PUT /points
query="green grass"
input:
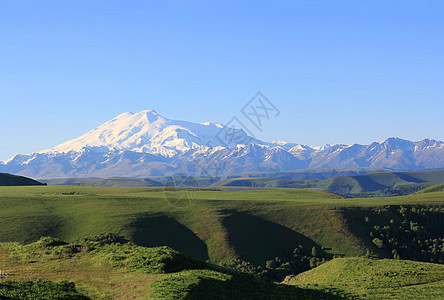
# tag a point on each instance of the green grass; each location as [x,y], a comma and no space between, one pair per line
[39,290]
[377,279]
[432,189]
[166,274]
[211,227]
[206,284]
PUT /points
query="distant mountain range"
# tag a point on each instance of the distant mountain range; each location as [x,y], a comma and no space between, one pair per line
[146,144]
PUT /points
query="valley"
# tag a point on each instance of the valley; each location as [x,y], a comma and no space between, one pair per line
[252,232]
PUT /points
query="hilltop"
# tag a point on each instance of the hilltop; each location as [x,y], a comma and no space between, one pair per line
[377,279]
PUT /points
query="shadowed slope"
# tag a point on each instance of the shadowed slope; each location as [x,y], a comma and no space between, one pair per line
[14,180]
[159,230]
[257,240]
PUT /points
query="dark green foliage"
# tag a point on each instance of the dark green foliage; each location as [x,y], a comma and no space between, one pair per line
[290,263]
[206,284]
[104,239]
[410,232]
[39,290]
[241,266]
[415,233]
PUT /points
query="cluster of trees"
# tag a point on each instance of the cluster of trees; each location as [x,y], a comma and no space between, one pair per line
[411,232]
[299,260]
[401,190]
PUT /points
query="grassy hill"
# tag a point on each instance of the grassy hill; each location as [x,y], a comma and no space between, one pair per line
[310,174]
[214,225]
[105,267]
[14,180]
[432,189]
[377,184]
[377,279]
[271,233]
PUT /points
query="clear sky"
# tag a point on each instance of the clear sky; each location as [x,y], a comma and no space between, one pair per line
[339,71]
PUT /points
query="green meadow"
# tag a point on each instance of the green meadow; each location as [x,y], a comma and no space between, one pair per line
[262,235]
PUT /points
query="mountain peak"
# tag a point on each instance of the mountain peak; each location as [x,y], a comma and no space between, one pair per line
[143,143]
[147,132]
[150,115]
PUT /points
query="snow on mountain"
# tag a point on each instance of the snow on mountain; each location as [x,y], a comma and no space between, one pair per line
[147,132]
[148,144]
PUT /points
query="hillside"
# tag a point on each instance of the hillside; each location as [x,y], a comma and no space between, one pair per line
[14,180]
[207,224]
[268,234]
[377,279]
[432,189]
[310,174]
[127,271]
[104,182]
[376,184]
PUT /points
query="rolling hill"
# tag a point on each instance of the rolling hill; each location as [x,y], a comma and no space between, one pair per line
[268,234]
[213,225]
[369,185]
[14,180]
[128,272]
[377,279]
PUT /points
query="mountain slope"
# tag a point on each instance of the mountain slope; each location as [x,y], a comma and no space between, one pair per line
[148,144]
[147,132]
[13,180]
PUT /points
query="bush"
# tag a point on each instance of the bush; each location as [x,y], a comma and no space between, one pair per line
[39,290]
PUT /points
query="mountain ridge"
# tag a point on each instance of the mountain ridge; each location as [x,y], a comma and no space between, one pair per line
[147,144]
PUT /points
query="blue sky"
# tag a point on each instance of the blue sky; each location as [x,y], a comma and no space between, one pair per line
[339,71]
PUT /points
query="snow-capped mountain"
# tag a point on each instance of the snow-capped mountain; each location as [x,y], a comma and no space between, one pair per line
[148,132]
[147,144]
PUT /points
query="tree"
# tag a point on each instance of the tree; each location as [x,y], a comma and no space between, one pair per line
[314,252]
[378,242]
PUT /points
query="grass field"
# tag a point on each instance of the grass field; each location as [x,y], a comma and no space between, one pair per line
[377,279]
[125,271]
[210,225]
[213,226]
